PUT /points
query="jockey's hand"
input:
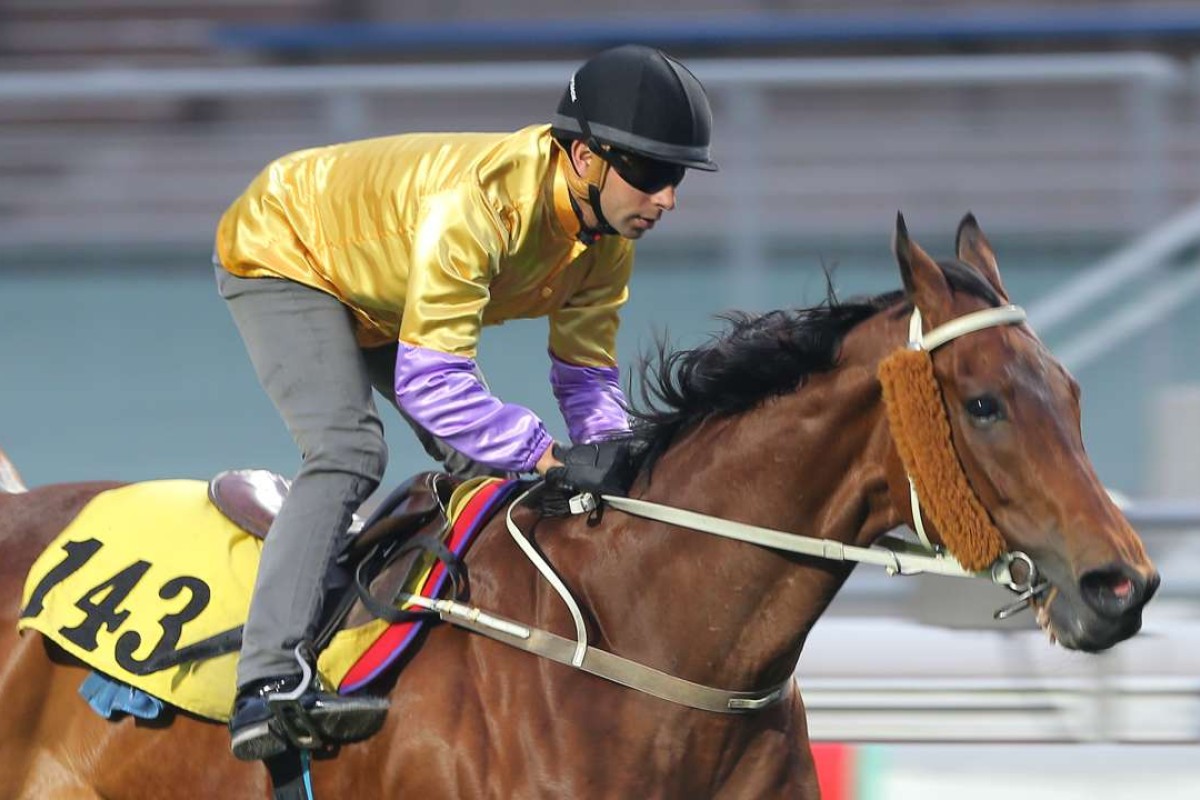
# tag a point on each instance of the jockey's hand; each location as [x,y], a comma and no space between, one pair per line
[605,467]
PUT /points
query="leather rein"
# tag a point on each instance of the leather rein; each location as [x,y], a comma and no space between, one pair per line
[896,555]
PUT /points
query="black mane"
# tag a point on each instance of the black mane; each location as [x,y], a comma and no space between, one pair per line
[757,357]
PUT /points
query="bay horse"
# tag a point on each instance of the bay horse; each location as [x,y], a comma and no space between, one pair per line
[780,422]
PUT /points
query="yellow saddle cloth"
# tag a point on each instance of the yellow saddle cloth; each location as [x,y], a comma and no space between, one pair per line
[147,569]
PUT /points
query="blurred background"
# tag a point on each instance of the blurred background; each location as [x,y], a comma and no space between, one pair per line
[1071,129]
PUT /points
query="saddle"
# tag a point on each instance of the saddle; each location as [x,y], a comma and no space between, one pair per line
[381,549]
[251,498]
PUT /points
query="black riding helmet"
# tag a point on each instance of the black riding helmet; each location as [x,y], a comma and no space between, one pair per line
[640,111]
[642,101]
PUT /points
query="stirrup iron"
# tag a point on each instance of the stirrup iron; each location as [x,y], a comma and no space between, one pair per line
[294,720]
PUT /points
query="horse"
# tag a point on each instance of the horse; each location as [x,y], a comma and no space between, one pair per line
[778,422]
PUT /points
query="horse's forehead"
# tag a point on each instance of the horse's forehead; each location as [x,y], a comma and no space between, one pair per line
[1013,358]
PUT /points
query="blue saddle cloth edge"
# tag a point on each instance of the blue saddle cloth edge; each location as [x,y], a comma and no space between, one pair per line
[109,697]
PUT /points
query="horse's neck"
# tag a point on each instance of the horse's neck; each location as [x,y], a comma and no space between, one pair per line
[734,614]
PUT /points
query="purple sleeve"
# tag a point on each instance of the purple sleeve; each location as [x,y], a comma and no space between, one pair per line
[591,400]
[444,395]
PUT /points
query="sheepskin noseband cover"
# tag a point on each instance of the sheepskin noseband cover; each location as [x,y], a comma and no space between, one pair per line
[921,431]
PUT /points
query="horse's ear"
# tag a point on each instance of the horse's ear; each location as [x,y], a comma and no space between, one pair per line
[924,282]
[973,248]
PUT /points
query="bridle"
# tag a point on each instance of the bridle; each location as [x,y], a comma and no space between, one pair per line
[898,556]
[1000,571]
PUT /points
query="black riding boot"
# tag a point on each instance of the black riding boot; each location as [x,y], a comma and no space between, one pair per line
[272,713]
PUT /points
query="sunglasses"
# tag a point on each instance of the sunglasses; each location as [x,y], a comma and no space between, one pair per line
[644,174]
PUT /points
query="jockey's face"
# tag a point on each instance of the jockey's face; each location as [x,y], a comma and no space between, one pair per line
[632,211]
[629,209]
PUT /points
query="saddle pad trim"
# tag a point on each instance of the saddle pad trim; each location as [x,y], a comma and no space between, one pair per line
[395,639]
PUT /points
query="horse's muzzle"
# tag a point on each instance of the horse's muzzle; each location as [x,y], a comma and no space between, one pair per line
[1106,609]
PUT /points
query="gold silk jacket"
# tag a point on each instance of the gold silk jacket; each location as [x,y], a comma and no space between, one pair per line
[429,237]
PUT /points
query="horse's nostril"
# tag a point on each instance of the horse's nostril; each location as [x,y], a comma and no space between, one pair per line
[1109,591]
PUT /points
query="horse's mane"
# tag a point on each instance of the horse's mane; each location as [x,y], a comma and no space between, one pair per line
[758,356]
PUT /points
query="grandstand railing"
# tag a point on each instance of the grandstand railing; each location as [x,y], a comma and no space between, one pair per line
[1119,274]
[1143,69]
[756,196]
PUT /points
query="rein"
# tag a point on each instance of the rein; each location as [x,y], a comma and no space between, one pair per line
[896,555]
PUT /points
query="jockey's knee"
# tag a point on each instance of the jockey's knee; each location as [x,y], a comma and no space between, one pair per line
[360,454]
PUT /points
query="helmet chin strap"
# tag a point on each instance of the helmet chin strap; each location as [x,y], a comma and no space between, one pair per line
[602,224]
[586,189]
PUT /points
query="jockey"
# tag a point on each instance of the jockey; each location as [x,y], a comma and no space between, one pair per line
[376,263]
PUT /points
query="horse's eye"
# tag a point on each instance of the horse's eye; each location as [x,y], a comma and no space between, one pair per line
[984,409]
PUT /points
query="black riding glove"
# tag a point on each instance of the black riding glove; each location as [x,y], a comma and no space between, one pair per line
[599,468]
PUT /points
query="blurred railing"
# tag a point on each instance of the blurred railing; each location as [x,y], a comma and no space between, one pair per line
[807,147]
[519,29]
[892,680]
[1138,274]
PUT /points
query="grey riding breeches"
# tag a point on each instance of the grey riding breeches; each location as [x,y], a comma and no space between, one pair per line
[302,345]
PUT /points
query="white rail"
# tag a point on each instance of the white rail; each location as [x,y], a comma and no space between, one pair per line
[1144,257]
[1139,68]
[999,685]
[797,189]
